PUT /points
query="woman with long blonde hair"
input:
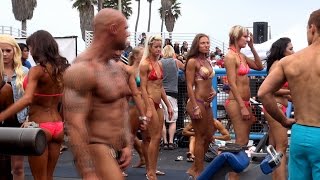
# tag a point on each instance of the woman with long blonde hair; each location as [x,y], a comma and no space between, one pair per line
[152,90]
[14,74]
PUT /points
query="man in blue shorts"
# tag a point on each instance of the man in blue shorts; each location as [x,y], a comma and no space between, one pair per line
[302,71]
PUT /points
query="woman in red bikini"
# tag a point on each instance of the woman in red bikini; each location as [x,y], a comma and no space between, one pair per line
[43,91]
[199,74]
[237,66]
[278,136]
[151,76]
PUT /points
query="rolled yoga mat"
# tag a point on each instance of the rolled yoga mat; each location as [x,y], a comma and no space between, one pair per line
[22,141]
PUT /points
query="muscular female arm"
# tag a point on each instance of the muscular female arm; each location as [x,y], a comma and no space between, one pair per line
[34,74]
[225,136]
[190,74]
[187,131]
[144,67]
[256,64]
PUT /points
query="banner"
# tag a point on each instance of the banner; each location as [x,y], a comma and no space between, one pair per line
[67,47]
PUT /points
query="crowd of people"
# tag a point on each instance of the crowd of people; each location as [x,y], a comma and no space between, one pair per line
[98,94]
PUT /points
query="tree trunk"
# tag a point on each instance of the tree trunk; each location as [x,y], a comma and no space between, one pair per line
[137,22]
[24,28]
[149,16]
[162,21]
[100,2]
[86,20]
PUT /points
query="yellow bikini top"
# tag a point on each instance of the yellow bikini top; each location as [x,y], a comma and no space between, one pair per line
[204,73]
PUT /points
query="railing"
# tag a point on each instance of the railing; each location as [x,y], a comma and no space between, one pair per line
[220,72]
[135,38]
[12,31]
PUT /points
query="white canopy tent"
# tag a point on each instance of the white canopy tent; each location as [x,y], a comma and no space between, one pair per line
[297,34]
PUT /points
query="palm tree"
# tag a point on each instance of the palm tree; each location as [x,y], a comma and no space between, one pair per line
[171,14]
[100,2]
[86,14]
[165,5]
[23,11]
[137,21]
[125,6]
[149,21]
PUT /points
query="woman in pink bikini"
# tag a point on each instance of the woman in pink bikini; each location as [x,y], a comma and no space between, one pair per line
[199,74]
[43,90]
[151,76]
[237,66]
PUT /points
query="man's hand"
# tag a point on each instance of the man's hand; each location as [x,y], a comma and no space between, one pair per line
[125,158]
[288,123]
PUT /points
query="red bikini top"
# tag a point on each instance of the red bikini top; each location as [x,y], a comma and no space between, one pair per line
[243,69]
[152,76]
[25,83]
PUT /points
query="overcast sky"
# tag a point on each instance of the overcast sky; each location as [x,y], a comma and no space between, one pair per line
[208,16]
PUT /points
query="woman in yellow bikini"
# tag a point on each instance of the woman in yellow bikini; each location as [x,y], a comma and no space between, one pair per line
[199,74]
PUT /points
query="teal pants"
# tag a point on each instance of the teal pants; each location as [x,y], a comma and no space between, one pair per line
[304,154]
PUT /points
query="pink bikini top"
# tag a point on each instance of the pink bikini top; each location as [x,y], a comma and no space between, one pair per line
[243,69]
[25,83]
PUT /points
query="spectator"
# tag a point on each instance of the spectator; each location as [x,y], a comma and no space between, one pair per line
[14,74]
[176,48]
[170,84]
[24,55]
[127,50]
[167,41]
[184,48]
[6,99]
[142,39]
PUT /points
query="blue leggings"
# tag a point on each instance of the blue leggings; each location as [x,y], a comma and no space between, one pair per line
[304,155]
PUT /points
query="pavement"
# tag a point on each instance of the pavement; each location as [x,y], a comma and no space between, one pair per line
[175,170]
[65,169]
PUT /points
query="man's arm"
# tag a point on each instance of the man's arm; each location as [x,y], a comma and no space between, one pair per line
[270,85]
[76,107]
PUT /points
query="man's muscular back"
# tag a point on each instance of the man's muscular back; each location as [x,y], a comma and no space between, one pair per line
[99,89]
[302,71]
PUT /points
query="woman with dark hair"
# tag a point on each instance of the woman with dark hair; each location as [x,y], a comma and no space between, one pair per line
[237,66]
[24,55]
[43,90]
[199,74]
[278,136]
[184,48]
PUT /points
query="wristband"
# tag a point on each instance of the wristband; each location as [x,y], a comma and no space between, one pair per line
[195,108]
